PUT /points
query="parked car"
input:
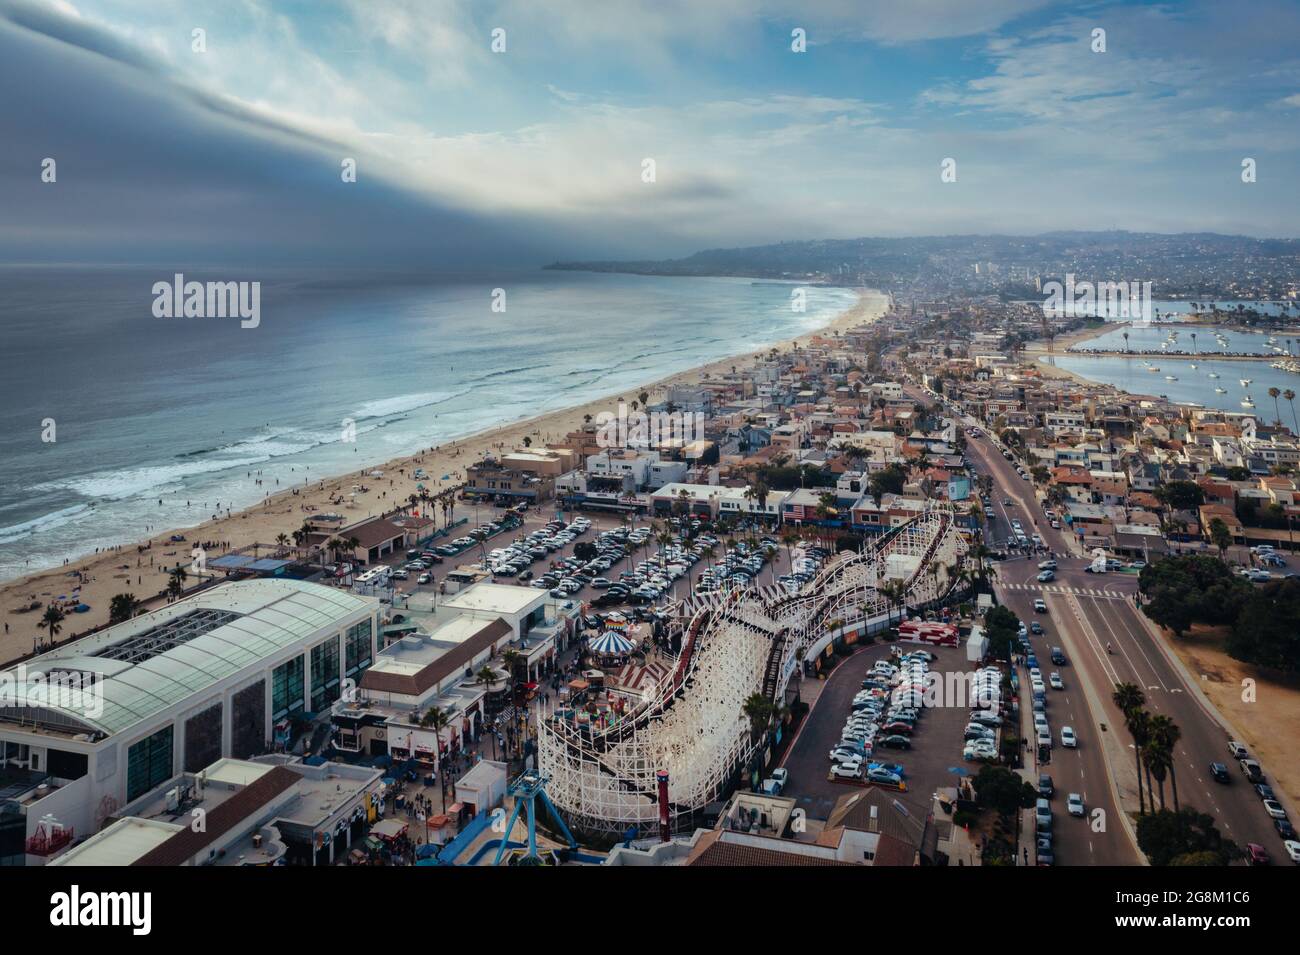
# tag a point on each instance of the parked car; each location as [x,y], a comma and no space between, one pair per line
[1264,791]
[1274,809]
[1292,850]
[1046,788]
[847,770]
[1252,770]
[1237,749]
[1257,854]
[894,741]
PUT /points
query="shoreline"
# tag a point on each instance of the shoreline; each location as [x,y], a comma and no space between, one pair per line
[118,570]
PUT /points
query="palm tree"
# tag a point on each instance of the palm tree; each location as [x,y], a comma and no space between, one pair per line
[488,677]
[1157,760]
[122,607]
[896,593]
[283,540]
[176,583]
[1129,698]
[1277,415]
[511,660]
[53,617]
[438,719]
[1289,395]
[759,709]
[1166,734]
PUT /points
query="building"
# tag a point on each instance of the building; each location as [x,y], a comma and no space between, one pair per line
[492,478]
[94,725]
[268,811]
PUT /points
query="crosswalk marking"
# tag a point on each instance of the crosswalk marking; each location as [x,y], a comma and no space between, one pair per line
[1064,590]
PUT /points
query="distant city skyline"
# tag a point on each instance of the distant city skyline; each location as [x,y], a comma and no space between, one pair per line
[469,157]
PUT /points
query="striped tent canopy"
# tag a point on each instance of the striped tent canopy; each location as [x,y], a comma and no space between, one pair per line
[610,643]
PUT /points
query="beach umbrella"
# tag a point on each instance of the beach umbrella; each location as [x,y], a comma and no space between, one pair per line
[610,643]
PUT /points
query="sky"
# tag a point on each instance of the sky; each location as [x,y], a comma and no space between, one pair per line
[232,153]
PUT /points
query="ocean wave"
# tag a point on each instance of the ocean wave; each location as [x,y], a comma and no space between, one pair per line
[384,407]
[43,523]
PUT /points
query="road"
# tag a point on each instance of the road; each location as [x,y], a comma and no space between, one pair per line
[1090,612]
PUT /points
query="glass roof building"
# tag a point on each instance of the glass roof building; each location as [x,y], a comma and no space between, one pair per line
[94,724]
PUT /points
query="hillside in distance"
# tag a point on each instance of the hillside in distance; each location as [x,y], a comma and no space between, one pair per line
[1184,263]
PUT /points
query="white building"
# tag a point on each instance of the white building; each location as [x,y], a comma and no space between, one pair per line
[102,721]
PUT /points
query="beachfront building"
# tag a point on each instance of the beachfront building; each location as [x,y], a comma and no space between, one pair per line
[102,721]
[439,669]
[493,478]
[273,810]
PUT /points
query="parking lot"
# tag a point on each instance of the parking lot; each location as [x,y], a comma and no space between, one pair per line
[625,564]
[936,747]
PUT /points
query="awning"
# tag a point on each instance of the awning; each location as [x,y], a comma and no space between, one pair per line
[610,643]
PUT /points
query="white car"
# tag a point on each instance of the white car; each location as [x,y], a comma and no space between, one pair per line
[1293,850]
[1068,739]
[1075,804]
[1056,682]
[1274,809]
[981,749]
[847,770]
[423,579]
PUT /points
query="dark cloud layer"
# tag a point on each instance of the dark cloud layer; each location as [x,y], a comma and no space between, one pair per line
[152,171]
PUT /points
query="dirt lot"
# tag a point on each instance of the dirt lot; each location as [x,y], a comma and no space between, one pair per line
[1270,723]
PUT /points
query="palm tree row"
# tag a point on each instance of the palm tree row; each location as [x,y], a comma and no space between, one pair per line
[1154,740]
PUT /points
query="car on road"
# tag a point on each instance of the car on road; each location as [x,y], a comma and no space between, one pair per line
[1047,565]
[1274,809]
[1046,576]
[1040,606]
[423,579]
[1237,749]
[1036,629]
[1043,814]
[1075,804]
[1006,502]
[847,770]
[1068,739]
[1058,656]
[1046,787]
[1257,854]
[1056,682]
[1220,773]
[894,741]
[884,777]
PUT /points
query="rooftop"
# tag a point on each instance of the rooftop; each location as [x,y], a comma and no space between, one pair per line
[146,664]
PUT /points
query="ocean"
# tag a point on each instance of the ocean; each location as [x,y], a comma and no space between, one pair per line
[144,410]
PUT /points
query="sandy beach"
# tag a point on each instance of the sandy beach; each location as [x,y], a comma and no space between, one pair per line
[128,569]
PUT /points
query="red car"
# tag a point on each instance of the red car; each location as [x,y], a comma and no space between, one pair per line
[1258,854]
